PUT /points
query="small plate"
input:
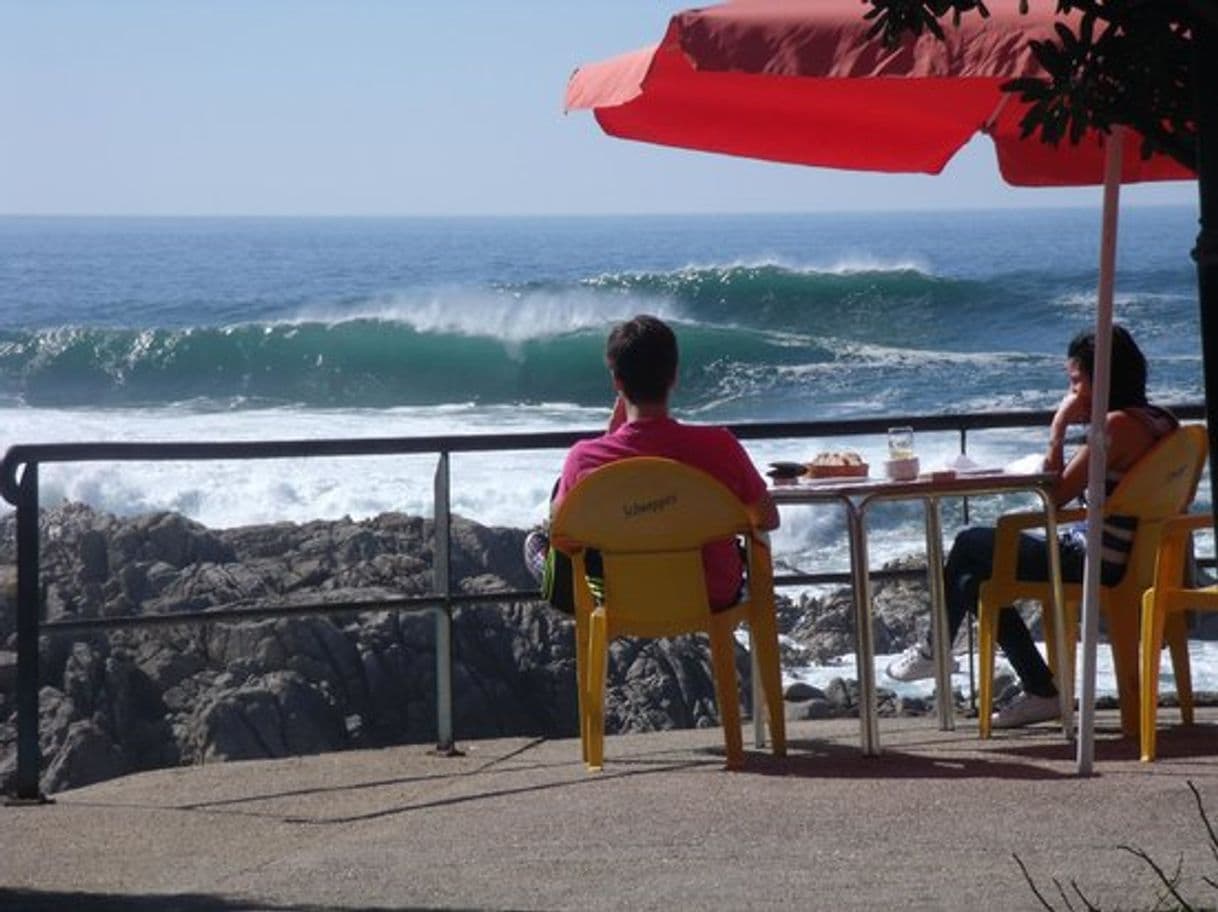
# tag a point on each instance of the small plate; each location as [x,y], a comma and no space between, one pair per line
[834,481]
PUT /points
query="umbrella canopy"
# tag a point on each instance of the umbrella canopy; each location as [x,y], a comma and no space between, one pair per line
[800,81]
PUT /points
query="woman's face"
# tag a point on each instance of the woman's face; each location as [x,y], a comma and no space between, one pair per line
[1080,383]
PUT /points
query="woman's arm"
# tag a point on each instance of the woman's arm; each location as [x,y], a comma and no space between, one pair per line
[1073,409]
[1127,440]
[1073,479]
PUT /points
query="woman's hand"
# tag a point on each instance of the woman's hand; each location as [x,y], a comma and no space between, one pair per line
[1074,408]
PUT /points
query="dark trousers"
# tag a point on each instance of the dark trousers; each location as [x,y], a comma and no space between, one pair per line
[970,563]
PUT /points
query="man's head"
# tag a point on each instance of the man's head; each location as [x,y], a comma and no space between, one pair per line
[642,356]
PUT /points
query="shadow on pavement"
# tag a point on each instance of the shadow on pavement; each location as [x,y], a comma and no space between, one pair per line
[1178,742]
[20,900]
[821,760]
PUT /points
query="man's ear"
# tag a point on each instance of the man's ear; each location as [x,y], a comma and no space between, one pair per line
[617,383]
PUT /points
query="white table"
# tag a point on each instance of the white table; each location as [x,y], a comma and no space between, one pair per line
[856,495]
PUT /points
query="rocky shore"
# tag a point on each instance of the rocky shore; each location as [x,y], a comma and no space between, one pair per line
[136,699]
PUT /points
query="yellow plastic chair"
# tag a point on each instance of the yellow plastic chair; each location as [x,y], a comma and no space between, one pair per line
[1160,486]
[1164,621]
[649,519]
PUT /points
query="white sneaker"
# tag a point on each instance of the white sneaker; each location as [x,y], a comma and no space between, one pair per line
[915,665]
[1026,709]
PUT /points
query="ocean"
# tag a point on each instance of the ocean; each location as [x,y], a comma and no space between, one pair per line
[251,328]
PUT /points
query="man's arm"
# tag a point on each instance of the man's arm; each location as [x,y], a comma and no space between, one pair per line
[764,512]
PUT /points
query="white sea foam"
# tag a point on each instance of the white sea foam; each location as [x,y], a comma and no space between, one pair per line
[1203,656]
[508,488]
[861,263]
[867,263]
[1083,302]
[894,356]
[501,489]
[512,315]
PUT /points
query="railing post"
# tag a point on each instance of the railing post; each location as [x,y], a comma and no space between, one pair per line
[443,615]
[28,757]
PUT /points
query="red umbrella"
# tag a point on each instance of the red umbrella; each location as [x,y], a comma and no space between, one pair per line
[801,81]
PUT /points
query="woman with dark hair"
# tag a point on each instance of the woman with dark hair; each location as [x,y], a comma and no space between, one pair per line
[1132,426]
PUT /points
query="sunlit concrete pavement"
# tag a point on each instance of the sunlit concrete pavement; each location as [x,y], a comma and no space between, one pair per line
[933,823]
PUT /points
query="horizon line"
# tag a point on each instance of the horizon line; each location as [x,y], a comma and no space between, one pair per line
[1133,204]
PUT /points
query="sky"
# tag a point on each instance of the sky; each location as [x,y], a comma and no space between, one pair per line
[384,107]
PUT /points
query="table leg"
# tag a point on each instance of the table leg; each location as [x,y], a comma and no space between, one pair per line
[864,644]
[938,616]
[1065,661]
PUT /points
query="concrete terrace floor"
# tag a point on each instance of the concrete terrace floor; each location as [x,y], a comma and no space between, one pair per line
[516,823]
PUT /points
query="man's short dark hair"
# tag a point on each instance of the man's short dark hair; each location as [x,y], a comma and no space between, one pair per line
[1127,384]
[642,354]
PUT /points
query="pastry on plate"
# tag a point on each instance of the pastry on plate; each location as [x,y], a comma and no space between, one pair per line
[837,464]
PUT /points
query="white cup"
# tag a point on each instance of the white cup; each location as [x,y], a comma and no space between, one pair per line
[902,469]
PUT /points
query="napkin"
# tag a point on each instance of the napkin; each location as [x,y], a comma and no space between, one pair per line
[962,463]
[1027,465]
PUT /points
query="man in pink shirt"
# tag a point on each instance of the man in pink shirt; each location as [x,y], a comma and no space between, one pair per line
[642,358]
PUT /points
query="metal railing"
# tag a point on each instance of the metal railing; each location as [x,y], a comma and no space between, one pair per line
[19,486]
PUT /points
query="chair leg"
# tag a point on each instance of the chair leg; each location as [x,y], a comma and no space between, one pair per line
[723,662]
[987,635]
[581,678]
[765,642]
[1152,644]
[1176,634]
[1123,637]
[598,660]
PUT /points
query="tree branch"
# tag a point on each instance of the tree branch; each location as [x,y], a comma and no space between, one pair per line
[1031,883]
[1168,882]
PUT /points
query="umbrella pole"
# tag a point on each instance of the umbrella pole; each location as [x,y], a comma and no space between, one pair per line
[1097,449]
[1205,73]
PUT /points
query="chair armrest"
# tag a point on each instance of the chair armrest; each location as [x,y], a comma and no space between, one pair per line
[1006,539]
[567,546]
[1179,527]
[1173,547]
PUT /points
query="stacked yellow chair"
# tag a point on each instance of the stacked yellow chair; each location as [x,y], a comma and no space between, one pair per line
[1164,621]
[1159,487]
[649,519]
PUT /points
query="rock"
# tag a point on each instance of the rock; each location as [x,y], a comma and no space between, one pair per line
[843,694]
[87,755]
[84,675]
[135,699]
[277,715]
[800,691]
[94,565]
[8,670]
[816,708]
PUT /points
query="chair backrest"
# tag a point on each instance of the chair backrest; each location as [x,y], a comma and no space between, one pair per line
[1162,483]
[649,518]
[1159,486]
